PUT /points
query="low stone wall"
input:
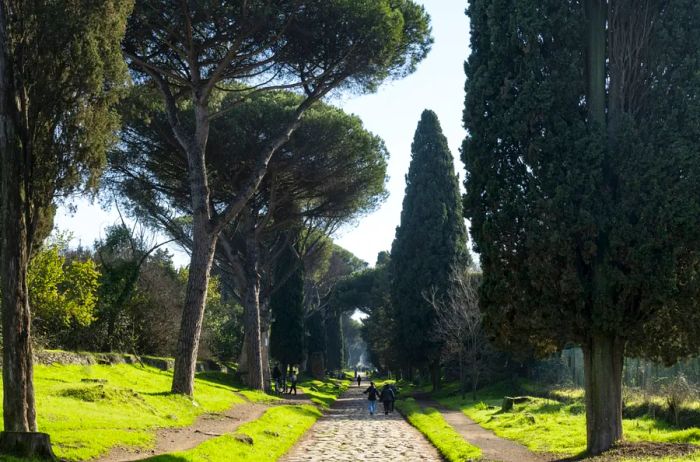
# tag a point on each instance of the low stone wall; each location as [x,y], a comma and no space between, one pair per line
[50,357]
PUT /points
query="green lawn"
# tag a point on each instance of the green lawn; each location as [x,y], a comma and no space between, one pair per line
[272,435]
[430,422]
[86,419]
[556,427]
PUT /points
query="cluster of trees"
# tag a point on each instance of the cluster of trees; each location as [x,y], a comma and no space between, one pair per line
[123,295]
[210,113]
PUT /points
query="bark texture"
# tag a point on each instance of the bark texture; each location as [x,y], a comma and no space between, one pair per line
[603,360]
[193,313]
[19,413]
[254,354]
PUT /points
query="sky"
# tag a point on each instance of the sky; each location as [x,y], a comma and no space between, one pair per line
[391,113]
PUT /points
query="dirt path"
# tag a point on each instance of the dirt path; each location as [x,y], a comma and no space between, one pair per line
[206,426]
[494,448]
[348,433]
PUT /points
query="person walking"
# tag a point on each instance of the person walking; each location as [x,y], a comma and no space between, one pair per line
[293,379]
[394,395]
[276,376]
[372,395]
[387,397]
[359,380]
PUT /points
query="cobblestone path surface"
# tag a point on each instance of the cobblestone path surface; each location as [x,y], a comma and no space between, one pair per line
[348,433]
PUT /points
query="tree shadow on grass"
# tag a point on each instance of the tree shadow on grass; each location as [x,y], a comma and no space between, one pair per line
[167,458]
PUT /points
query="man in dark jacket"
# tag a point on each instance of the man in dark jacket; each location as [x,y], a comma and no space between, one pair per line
[387,397]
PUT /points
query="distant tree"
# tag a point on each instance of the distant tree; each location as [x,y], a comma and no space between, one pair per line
[122,255]
[335,339]
[62,294]
[60,72]
[368,291]
[459,326]
[188,51]
[583,153]
[287,306]
[430,241]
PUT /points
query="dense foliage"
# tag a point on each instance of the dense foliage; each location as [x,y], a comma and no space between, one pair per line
[582,158]
[430,241]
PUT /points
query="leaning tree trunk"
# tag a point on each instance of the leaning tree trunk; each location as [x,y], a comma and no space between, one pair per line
[204,238]
[603,360]
[204,244]
[253,345]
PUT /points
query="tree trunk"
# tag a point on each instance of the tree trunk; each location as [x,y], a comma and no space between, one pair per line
[435,375]
[253,346]
[596,12]
[603,360]
[204,245]
[462,378]
[18,383]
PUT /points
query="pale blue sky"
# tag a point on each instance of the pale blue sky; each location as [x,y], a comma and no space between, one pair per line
[392,113]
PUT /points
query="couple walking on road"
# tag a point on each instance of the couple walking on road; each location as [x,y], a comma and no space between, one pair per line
[387,396]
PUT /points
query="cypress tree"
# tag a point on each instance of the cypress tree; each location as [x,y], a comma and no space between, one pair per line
[287,307]
[583,156]
[430,241]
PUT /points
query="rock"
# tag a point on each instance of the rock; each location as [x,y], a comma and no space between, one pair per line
[93,380]
[271,433]
[510,401]
[243,438]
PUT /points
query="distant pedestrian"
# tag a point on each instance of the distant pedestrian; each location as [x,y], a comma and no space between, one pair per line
[394,395]
[293,379]
[277,376]
[387,397]
[359,380]
[372,395]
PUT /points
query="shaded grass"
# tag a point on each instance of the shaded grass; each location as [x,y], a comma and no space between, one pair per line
[432,424]
[272,435]
[86,420]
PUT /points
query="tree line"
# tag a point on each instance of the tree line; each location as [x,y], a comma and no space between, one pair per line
[210,115]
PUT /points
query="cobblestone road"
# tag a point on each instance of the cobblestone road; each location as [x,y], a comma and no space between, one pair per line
[348,433]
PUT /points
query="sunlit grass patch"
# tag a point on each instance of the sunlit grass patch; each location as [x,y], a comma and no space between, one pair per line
[558,426]
[432,424]
[271,436]
[87,410]
[323,393]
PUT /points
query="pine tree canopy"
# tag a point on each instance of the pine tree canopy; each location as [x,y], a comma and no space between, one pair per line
[430,241]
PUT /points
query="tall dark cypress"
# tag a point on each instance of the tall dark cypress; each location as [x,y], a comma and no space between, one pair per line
[583,159]
[430,241]
[287,307]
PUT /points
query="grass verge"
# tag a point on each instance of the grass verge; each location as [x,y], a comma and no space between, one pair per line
[265,439]
[431,423]
[87,410]
[546,425]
